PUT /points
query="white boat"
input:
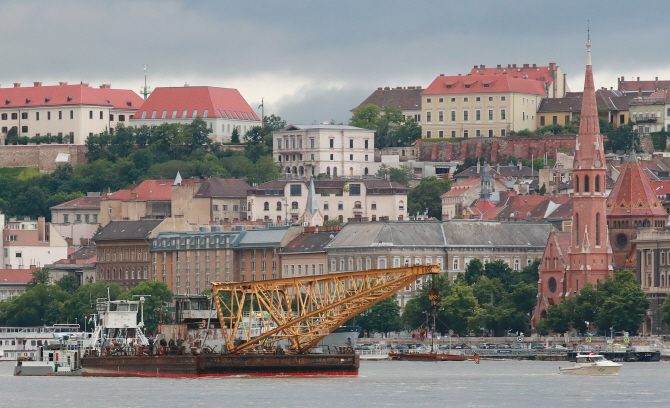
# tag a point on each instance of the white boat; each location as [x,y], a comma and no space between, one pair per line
[591,364]
[57,357]
[18,342]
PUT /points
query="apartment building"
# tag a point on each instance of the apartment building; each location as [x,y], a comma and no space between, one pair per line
[648,112]
[555,82]
[335,150]
[480,105]
[72,111]
[306,254]
[151,199]
[223,109]
[343,199]
[77,220]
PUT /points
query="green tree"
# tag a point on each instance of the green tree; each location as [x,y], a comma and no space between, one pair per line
[426,196]
[366,116]
[382,317]
[274,123]
[413,316]
[235,137]
[409,132]
[82,302]
[40,276]
[68,283]
[542,328]
[473,271]
[560,316]
[543,190]
[402,175]
[332,223]
[41,305]
[622,303]
[665,310]
[458,307]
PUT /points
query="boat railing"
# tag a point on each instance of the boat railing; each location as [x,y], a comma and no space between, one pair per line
[373,352]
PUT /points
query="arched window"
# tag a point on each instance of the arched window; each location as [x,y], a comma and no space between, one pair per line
[365,171]
[341,218]
[325,205]
[586,184]
[576,184]
[126,273]
[132,273]
[328,170]
[302,171]
[597,186]
[401,205]
[288,170]
[334,171]
[145,272]
[295,170]
[266,206]
[294,205]
[576,230]
[278,205]
[597,227]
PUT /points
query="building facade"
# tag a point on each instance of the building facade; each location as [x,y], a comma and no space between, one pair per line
[306,254]
[223,109]
[151,199]
[407,99]
[653,272]
[352,199]
[648,113]
[335,150]
[31,243]
[479,106]
[71,111]
[77,220]
[555,82]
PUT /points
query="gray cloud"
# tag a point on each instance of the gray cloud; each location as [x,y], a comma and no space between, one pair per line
[315,60]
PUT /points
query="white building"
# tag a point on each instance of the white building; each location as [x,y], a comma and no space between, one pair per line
[29,243]
[65,110]
[223,109]
[336,150]
[353,199]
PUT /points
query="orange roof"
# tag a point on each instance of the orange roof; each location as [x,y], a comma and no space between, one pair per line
[483,83]
[148,190]
[202,101]
[58,95]
[520,206]
[661,188]
[633,195]
[537,73]
[15,275]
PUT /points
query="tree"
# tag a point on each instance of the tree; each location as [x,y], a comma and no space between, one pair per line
[39,276]
[235,137]
[665,310]
[382,317]
[82,302]
[413,316]
[332,223]
[426,196]
[39,306]
[543,190]
[366,116]
[560,316]
[542,328]
[458,307]
[473,271]
[274,123]
[68,283]
[402,175]
[409,132]
[622,303]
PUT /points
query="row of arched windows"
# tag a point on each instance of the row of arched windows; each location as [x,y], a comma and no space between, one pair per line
[587,185]
[577,232]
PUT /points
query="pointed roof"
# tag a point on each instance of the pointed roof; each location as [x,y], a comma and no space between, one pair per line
[312,204]
[589,152]
[633,194]
[177,180]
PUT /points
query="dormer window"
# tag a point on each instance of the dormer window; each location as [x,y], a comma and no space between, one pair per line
[28,100]
[47,99]
[129,103]
[8,101]
[69,98]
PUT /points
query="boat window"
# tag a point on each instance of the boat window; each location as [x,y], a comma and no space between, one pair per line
[581,360]
[122,308]
[112,307]
[133,307]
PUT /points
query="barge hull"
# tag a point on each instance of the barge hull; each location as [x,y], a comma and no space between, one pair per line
[222,365]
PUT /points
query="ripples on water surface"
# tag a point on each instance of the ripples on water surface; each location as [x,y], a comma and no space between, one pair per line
[379,384]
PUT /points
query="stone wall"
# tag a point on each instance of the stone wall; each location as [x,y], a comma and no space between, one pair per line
[496,149]
[42,157]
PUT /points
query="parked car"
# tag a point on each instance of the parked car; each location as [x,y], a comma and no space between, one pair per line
[517,346]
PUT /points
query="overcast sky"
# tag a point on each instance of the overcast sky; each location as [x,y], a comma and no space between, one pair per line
[316,60]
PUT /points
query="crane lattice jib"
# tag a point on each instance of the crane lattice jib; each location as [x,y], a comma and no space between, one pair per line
[303,310]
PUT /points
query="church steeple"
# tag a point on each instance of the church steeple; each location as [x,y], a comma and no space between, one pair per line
[485,194]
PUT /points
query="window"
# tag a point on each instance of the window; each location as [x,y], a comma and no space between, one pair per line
[15,116]
[332,143]
[478,115]
[554,120]
[294,205]
[373,206]
[466,115]
[4,116]
[440,116]
[428,134]
[266,206]
[502,98]
[195,113]
[24,129]
[278,205]
[428,116]
[567,119]
[65,218]
[325,205]
[502,132]
[478,133]
[490,98]
[597,185]
[441,133]
[576,184]
[586,184]
[100,114]
[490,114]
[428,100]
[366,158]
[71,114]
[465,99]
[465,133]
[340,205]
[351,143]
[331,156]
[517,264]
[441,100]
[90,114]
[502,114]
[453,133]
[456,264]
[296,189]
[24,115]
[122,118]
[37,116]
[366,143]
[351,157]
[576,229]
[490,132]
[597,229]
[542,120]
[453,116]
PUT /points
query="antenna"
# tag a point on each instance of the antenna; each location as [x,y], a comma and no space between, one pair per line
[588,29]
[145,91]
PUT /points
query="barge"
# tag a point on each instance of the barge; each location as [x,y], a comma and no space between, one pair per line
[222,365]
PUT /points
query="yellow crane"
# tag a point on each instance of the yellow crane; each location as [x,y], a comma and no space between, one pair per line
[305,309]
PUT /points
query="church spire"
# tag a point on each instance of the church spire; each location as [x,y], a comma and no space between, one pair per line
[589,151]
[485,194]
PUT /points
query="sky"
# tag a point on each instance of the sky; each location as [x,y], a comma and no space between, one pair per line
[314,61]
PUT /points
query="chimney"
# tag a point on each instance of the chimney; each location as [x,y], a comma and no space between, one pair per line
[513,65]
[656,83]
[534,66]
[639,91]
[443,74]
[17,84]
[387,88]
[37,84]
[41,229]
[62,83]
[509,66]
[105,86]
[638,79]
[526,66]
[476,67]
[379,89]
[520,165]
[498,67]
[482,66]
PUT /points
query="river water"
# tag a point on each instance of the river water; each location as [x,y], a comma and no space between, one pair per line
[379,384]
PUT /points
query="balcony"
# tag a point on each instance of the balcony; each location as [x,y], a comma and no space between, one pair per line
[645,120]
[294,211]
[358,210]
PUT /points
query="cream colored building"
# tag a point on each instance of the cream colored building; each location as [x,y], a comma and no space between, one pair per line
[479,106]
[354,199]
[31,242]
[555,81]
[648,113]
[335,150]
[653,274]
[72,111]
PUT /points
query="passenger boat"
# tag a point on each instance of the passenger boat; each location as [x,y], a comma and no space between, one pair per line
[591,364]
[16,342]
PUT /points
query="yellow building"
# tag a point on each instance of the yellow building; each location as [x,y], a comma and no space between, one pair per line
[614,106]
[479,106]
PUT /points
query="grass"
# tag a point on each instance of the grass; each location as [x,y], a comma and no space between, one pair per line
[21,173]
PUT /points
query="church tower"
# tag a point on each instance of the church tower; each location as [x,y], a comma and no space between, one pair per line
[590,254]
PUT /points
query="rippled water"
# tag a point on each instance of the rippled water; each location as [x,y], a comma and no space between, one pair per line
[379,384]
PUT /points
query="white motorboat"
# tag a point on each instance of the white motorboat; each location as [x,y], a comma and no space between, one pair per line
[591,364]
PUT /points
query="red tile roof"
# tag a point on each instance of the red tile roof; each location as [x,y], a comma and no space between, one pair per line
[80,203]
[218,102]
[463,187]
[148,190]
[15,275]
[661,188]
[484,83]
[634,86]
[633,194]
[58,95]
[536,73]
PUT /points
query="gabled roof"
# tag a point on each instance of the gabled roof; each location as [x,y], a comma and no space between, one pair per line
[633,194]
[408,98]
[463,187]
[223,187]
[521,207]
[309,243]
[218,102]
[127,230]
[148,190]
[634,86]
[484,83]
[468,233]
[389,234]
[81,203]
[58,95]
[542,73]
